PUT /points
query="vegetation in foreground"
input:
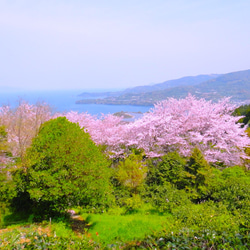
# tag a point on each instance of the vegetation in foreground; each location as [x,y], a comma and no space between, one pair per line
[63,192]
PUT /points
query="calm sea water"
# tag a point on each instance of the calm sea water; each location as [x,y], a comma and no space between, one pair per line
[64,101]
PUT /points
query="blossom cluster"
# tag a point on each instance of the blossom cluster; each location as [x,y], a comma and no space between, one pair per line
[172,125]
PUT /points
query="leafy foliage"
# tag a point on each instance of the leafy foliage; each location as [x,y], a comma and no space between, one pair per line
[233,191]
[6,185]
[175,181]
[205,203]
[197,174]
[244,111]
[164,181]
[128,180]
[131,172]
[63,167]
[187,238]
[169,169]
[33,239]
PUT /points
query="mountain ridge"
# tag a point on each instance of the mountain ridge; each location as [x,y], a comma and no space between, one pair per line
[183,81]
[211,87]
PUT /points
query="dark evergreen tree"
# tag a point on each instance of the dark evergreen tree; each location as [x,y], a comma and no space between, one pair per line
[198,172]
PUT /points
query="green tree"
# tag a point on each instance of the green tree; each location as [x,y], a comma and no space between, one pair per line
[233,190]
[6,184]
[198,172]
[169,169]
[166,182]
[247,150]
[129,179]
[132,172]
[3,141]
[64,168]
[243,110]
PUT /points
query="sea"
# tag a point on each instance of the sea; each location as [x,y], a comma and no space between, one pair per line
[65,101]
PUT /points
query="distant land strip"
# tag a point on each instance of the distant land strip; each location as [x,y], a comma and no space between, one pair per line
[210,87]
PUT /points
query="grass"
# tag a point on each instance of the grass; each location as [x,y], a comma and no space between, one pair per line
[104,229]
[112,228]
[117,229]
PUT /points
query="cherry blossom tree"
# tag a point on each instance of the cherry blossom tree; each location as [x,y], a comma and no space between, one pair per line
[108,130]
[173,125]
[184,124]
[22,124]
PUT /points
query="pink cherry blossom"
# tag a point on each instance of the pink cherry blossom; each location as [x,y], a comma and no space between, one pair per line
[22,124]
[172,125]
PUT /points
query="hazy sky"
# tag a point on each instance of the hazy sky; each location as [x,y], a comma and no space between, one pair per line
[115,44]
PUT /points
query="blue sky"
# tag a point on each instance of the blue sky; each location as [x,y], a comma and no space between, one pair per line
[116,44]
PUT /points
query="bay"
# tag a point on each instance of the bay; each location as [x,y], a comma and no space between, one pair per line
[64,101]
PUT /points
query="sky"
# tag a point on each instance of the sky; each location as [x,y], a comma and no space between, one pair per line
[106,44]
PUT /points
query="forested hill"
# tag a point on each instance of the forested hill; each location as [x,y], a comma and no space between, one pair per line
[210,87]
[236,84]
[184,81]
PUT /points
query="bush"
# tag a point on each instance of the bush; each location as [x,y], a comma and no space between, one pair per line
[198,226]
[36,240]
[207,215]
[197,175]
[175,181]
[128,180]
[166,197]
[233,190]
[169,169]
[63,168]
[131,172]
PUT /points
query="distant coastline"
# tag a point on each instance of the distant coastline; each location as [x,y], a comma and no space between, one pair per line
[116,102]
[212,87]
[64,101]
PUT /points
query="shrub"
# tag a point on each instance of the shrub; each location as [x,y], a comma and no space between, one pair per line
[131,172]
[234,192]
[169,169]
[197,175]
[166,197]
[63,168]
